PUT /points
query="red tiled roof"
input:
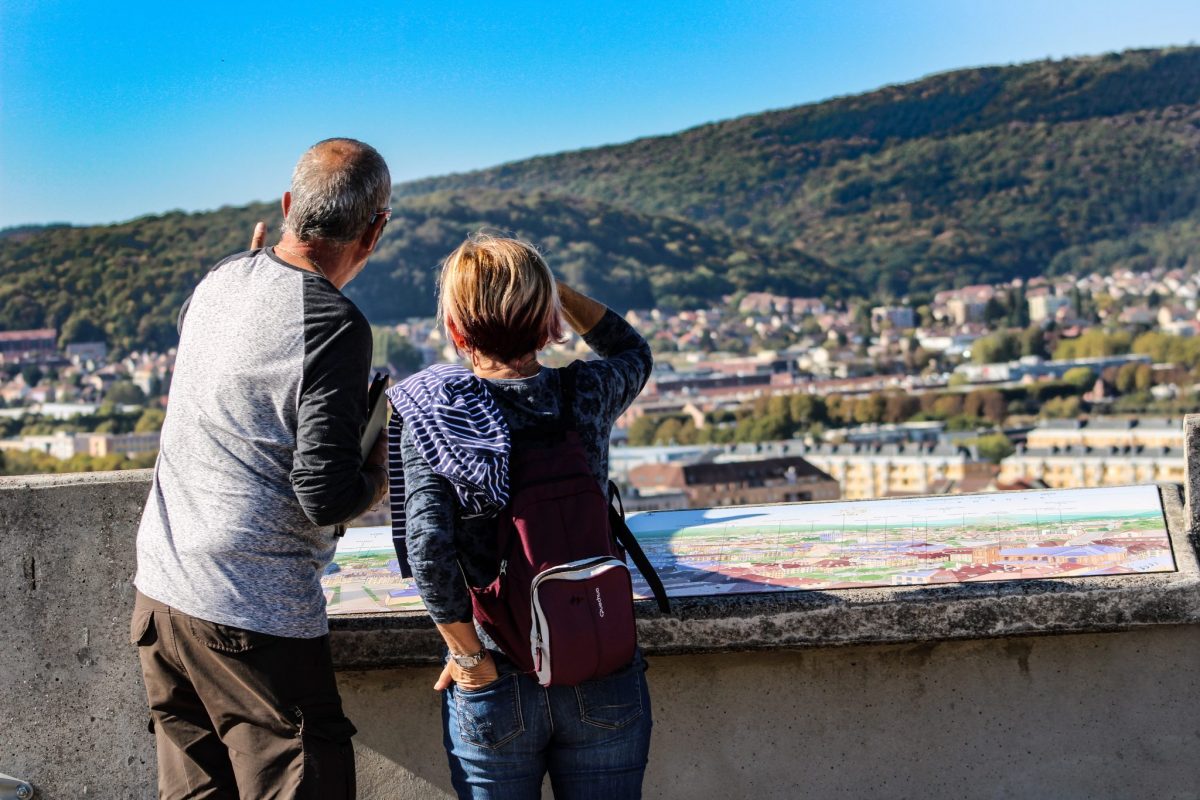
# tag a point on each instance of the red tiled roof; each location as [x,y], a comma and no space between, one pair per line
[16,336]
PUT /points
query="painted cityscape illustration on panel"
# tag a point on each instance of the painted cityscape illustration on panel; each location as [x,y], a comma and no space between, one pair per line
[842,545]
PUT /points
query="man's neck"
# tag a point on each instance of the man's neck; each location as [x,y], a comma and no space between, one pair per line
[336,263]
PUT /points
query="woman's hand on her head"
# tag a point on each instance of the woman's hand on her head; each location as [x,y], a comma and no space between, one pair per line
[581,312]
[468,680]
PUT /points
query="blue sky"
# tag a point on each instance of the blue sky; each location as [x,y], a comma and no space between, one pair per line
[111,111]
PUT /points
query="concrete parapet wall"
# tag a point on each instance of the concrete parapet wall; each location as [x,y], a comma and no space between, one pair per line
[881,615]
[73,711]
[900,692]
[1055,717]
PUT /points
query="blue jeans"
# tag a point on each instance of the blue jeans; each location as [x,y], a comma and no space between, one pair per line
[593,739]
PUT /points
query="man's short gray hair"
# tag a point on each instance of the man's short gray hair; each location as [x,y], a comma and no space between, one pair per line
[337,187]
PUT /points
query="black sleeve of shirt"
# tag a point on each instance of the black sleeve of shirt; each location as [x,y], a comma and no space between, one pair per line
[623,368]
[327,471]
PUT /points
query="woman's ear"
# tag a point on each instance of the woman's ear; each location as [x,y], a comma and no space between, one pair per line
[460,341]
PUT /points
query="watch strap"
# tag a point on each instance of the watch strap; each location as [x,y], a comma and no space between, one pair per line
[469,661]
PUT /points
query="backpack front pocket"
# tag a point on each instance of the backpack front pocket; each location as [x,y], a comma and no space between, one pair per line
[583,626]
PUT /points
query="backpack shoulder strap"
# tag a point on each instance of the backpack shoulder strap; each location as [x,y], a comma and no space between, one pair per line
[625,536]
[566,377]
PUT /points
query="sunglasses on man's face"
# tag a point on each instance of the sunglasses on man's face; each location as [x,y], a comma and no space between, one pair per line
[387,215]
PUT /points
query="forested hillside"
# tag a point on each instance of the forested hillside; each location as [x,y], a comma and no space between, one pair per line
[970,176]
[963,177]
[126,282]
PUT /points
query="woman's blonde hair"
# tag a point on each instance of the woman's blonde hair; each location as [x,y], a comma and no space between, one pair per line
[500,296]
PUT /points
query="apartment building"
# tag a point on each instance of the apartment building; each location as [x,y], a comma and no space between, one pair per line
[893,317]
[1046,306]
[66,445]
[866,471]
[126,444]
[1078,466]
[786,479]
[1105,432]
[35,344]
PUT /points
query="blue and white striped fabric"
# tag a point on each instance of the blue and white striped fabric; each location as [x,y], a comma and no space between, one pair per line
[458,428]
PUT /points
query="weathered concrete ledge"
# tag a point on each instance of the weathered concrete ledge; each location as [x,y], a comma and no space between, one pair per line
[806,619]
[769,621]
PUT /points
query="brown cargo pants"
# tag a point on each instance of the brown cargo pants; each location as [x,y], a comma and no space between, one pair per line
[238,714]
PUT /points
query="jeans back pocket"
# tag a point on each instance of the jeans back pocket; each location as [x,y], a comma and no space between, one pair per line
[614,701]
[490,717]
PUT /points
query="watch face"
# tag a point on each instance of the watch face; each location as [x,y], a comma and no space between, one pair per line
[468,662]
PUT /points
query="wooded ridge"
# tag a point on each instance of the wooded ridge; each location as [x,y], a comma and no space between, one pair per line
[971,176]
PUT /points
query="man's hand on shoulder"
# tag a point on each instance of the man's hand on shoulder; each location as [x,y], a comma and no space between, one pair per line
[259,237]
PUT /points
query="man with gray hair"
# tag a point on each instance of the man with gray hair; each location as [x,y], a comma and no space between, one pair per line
[260,461]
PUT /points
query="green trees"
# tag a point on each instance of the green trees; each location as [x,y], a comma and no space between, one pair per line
[806,409]
[787,416]
[1094,343]
[80,327]
[1018,309]
[150,421]
[1033,342]
[124,393]
[642,430]
[900,407]
[996,347]
[32,374]
[389,348]
[988,404]
[1062,407]
[1167,349]
[870,408]
[766,419]
[124,284]
[1081,378]
[1143,377]
[968,177]
[15,462]
[1053,167]
[994,447]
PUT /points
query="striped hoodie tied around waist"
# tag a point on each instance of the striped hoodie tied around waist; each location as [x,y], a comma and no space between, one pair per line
[459,430]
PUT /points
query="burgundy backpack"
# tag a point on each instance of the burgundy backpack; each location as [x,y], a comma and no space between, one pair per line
[562,606]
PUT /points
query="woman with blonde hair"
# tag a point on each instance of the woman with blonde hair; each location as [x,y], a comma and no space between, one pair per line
[451,442]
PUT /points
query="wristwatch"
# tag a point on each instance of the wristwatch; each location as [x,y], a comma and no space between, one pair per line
[471,661]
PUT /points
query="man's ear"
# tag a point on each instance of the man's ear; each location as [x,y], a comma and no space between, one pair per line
[370,237]
[286,203]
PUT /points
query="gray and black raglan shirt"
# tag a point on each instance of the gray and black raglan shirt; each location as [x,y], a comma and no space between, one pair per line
[260,453]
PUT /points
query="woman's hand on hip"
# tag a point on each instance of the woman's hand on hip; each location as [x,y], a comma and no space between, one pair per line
[468,679]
